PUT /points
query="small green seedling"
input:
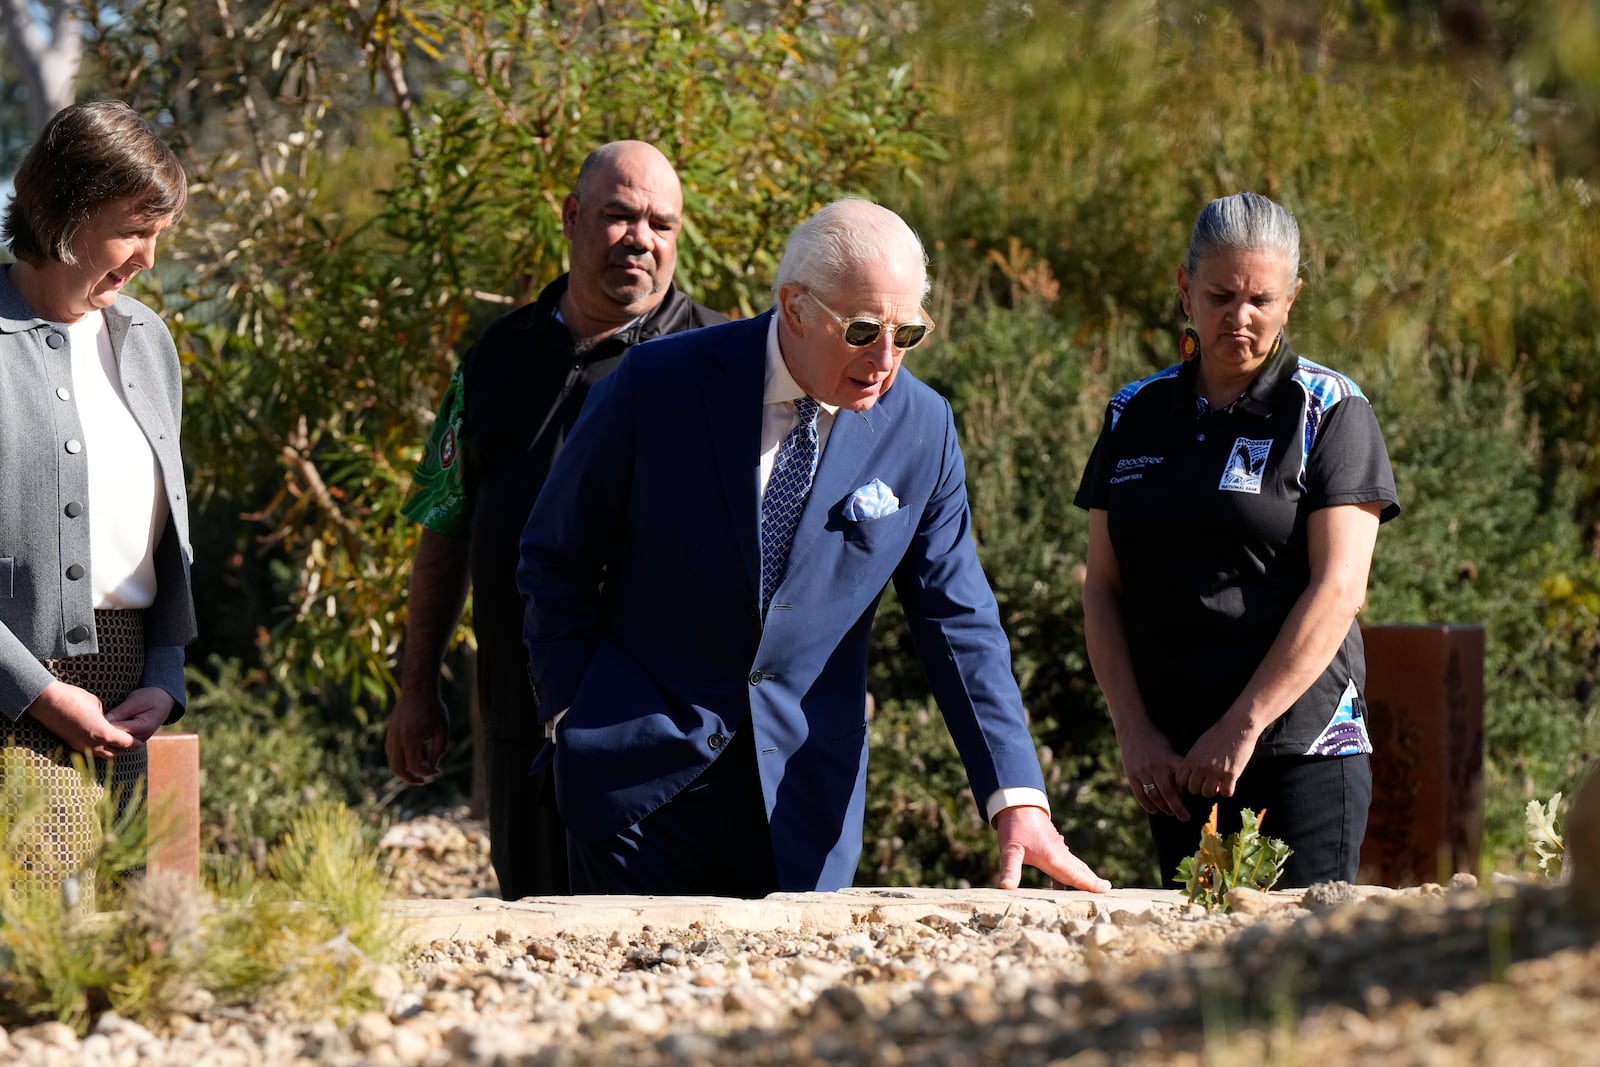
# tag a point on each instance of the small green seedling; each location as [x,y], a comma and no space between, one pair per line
[1244,858]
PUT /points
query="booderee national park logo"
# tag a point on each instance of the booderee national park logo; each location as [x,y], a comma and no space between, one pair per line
[1246,463]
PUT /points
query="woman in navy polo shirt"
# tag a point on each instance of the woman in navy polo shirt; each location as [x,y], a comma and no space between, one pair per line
[1234,501]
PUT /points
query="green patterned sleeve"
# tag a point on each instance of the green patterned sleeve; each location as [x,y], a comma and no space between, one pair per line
[438,497]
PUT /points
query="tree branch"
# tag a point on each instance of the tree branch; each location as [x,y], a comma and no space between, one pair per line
[49,68]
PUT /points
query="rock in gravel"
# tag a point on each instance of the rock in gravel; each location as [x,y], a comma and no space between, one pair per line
[1242,900]
[1326,895]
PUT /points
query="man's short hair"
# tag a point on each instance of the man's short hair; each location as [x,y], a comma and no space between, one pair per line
[87,156]
[842,237]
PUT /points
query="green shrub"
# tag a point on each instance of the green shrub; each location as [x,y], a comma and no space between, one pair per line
[265,758]
[923,826]
[305,937]
[1030,395]
[53,963]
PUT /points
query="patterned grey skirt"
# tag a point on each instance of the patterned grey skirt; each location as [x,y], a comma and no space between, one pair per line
[62,833]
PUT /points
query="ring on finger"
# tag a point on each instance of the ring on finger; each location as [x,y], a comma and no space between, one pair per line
[1149,787]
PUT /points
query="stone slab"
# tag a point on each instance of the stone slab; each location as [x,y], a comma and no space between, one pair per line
[532,918]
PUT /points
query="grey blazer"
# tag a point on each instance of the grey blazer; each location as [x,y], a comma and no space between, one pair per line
[46,611]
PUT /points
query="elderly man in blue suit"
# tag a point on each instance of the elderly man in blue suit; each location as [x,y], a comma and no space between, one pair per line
[702,568]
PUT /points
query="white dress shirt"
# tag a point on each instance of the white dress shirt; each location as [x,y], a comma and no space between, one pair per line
[778,415]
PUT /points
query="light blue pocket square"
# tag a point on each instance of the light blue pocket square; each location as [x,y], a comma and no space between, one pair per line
[872,501]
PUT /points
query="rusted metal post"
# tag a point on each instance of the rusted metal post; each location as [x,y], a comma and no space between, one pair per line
[174,805]
[1425,714]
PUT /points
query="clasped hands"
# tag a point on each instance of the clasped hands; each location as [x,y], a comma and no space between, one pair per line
[76,716]
[1159,776]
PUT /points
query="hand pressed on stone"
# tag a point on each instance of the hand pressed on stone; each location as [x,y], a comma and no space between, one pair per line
[1027,836]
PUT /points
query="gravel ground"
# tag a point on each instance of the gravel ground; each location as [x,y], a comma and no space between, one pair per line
[1438,976]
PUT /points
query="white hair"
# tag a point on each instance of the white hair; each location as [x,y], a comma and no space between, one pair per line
[842,238]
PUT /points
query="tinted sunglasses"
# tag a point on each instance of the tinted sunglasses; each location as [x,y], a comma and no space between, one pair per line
[863,330]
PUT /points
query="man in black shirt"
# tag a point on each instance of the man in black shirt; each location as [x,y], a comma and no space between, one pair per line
[509,406]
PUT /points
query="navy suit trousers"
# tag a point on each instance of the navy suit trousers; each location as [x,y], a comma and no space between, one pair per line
[711,839]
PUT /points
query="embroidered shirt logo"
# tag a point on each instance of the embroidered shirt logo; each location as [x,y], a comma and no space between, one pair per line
[1131,470]
[1246,463]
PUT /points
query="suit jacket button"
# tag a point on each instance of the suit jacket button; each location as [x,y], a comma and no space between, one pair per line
[716,741]
[75,572]
[54,340]
[755,677]
[78,633]
[74,509]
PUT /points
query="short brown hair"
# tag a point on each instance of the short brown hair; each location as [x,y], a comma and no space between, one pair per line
[89,155]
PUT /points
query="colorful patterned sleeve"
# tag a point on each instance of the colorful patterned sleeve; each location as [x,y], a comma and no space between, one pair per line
[438,497]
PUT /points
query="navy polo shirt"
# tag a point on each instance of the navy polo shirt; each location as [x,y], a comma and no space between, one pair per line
[1207,514]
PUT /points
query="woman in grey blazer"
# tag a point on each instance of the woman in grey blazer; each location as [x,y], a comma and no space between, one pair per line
[95,605]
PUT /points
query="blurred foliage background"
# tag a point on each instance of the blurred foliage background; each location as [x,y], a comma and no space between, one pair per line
[375,181]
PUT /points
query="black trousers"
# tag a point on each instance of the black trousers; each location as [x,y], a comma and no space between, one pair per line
[1315,804]
[712,839]
[527,842]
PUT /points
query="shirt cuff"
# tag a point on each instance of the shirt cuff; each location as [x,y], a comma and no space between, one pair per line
[550,727]
[1001,799]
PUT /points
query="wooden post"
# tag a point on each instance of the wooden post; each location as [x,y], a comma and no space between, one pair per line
[174,805]
[1425,714]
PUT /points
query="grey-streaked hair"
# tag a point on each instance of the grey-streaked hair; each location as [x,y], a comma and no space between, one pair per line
[1247,221]
[843,237]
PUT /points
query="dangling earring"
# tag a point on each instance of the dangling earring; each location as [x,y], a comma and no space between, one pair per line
[1189,344]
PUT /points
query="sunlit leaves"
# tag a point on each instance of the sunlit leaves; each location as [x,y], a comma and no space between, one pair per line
[374,182]
[1544,837]
[1245,859]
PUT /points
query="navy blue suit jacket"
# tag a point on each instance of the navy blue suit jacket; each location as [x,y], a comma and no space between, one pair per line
[641,568]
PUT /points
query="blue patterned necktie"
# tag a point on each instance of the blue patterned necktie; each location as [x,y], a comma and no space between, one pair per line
[792,471]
